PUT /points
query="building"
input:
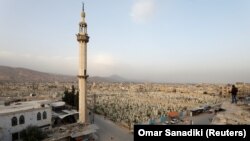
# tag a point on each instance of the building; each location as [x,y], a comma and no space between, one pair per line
[18,116]
[61,115]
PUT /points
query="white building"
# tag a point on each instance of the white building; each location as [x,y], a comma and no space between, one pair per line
[17,116]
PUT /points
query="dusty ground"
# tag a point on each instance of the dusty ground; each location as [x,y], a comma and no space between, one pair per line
[233,114]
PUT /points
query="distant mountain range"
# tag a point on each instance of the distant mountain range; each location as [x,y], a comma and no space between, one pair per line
[112,78]
[11,74]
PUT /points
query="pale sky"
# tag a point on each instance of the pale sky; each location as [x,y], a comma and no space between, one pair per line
[157,40]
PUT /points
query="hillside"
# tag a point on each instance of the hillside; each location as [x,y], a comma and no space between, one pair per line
[11,74]
[112,78]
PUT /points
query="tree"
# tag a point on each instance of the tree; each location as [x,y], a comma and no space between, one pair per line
[65,97]
[76,100]
[72,97]
[73,89]
[32,133]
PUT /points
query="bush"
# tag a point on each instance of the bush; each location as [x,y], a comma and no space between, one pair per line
[32,133]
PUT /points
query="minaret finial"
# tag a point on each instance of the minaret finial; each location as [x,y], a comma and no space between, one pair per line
[82,6]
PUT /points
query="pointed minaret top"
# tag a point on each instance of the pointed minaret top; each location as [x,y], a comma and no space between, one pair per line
[83,6]
[83,13]
[82,23]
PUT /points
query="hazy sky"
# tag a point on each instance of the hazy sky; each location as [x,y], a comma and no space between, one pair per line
[158,40]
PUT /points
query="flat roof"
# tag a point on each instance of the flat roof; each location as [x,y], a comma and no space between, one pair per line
[22,106]
[58,104]
[64,113]
[71,130]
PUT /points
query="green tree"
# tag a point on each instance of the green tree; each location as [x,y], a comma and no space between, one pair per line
[65,96]
[76,100]
[73,89]
[72,97]
[32,133]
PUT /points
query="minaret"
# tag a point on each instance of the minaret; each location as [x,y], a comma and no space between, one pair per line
[83,39]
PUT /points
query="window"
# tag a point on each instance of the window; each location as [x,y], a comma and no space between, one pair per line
[14,121]
[15,136]
[21,120]
[44,115]
[38,116]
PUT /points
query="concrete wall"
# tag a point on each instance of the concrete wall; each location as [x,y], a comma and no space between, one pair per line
[6,128]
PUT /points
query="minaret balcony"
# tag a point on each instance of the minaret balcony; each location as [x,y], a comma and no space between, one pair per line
[82,38]
[83,76]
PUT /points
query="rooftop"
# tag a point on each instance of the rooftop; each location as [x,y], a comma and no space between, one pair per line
[58,104]
[64,113]
[72,130]
[22,106]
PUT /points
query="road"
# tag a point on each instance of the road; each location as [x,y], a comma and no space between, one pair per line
[109,131]
[202,119]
